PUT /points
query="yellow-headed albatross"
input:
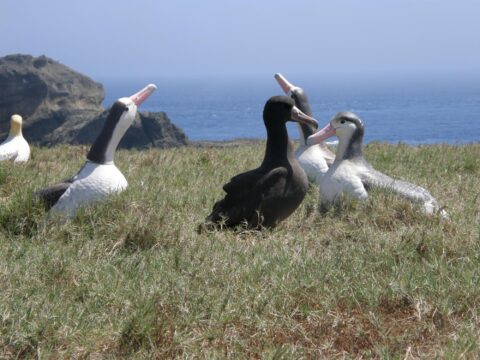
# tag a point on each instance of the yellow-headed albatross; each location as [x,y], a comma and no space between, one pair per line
[15,147]
[270,193]
[99,176]
[352,175]
[315,160]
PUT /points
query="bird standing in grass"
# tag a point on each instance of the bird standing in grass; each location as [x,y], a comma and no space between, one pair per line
[99,176]
[15,147]
[352,175]
[270,193]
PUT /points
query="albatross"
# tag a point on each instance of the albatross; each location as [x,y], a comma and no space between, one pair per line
[270,193]
[99,176]
[353,176]
[315,160]
[15,147]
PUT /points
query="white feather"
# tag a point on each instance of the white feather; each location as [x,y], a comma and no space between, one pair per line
[94,182]
[342,178]
[15,148]
[313,160]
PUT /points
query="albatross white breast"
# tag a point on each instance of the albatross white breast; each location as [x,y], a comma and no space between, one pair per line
[15,147]
[99,176]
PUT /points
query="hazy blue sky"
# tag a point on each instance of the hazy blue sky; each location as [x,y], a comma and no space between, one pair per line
[222,37]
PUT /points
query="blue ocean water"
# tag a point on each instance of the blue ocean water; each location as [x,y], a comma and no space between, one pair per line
[412,112]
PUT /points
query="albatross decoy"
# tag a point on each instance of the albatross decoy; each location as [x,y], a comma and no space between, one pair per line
[315,160]
[15,147]
[99,176]
[270,193]
[353,176]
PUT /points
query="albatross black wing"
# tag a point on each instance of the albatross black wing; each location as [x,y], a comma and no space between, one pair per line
[247,196]
[243,183]
[51,194]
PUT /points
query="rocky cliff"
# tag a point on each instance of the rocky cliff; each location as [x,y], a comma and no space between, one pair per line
[60,105]
[149,129]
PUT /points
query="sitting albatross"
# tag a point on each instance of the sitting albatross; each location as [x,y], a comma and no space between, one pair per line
[15,147]
[352,175]
[270,193]
[99,176]
[315,160]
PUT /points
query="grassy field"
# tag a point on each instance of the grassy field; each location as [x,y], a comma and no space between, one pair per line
[132,278]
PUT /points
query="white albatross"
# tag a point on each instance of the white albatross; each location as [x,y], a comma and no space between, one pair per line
[15,147]
[99,177]
[353,176]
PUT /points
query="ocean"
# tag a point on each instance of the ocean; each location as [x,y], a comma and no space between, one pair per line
[411,112]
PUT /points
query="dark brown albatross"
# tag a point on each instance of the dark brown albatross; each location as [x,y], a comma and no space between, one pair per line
[270,193]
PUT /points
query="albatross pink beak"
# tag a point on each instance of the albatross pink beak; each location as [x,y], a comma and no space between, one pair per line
[284,84]
[139,97]
[321,135]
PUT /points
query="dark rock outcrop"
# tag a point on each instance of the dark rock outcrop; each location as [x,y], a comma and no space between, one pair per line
[45,93]
[60,105]
[150,129]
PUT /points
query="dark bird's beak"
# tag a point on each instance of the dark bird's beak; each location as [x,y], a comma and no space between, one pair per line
[300,117]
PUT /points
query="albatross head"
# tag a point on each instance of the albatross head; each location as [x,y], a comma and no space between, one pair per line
[283,109]
[345,125]
[295,92]
[287,87]
[129,106]
[119,119]
[16,125]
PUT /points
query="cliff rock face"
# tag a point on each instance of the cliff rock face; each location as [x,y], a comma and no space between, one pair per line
[149,129]
[60,105]
[46,93]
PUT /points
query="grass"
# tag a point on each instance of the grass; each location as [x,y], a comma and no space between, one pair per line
[132,278]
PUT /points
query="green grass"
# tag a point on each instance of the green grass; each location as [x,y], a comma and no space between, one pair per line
[131,277]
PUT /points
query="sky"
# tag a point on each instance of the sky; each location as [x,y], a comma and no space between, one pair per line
[188,38]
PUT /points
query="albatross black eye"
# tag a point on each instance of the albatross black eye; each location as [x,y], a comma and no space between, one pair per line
[342,121]
[126,108]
